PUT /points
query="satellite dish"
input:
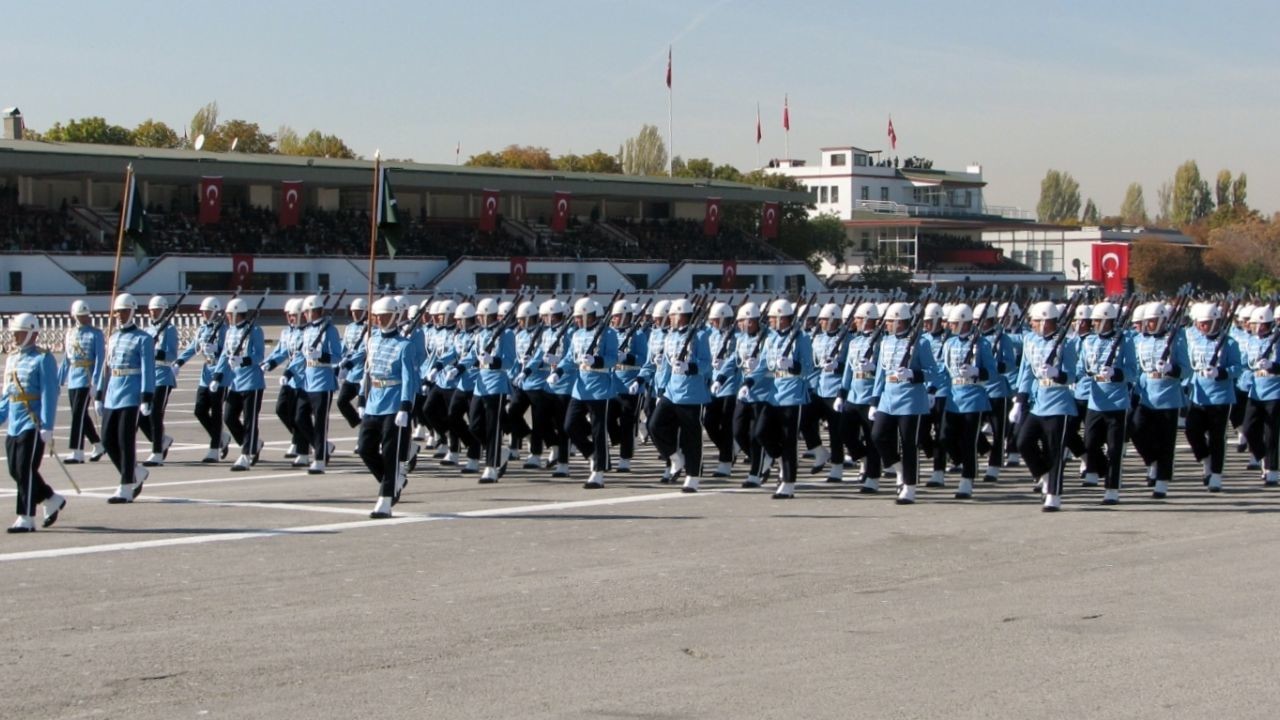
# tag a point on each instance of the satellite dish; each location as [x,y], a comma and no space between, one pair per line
[199,143]
[234,142]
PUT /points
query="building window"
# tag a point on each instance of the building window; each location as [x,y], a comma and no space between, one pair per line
[866,192]
[15,282]
[860,160]
[968,198]
[884,193]
[1017,256]
[813,192]
[1046,261]
[822,194]
[835,193]
[838,159]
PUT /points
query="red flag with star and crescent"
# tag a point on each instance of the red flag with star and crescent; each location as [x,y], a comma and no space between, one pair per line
[210,200]
[1111,267]
[769,217]
[290,203]
[786,115]
[668,67]
[241,271]
[729,275]
[711,222]
[517,273]
[489,211]
[560,212]
[893,136]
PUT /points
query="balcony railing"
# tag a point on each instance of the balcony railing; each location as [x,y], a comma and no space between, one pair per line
[888,207]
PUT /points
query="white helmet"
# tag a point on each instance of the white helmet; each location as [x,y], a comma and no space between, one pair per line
[552,307]
[585,306]
[882,308]
[1206,312]
[446,308]
[1084,312]
[237,306]
[1262,314]
[1159,310]
[383,306]
[721,311]
[24,322]
[680,306]
[1104,311]
[622,307]
[846,312]
[985,311]
[487,306]
[125,301]
[660,308]
[157,302]
[1139,313]
[933,311]
[898,311]
[211,304]
[292,306]
[960,313]
[830,311]
[1012,311]
[634,308]
[781,308]
[400,302]
[79,307]
[749,311]
[464,311]
[527,310]
[868,310]
[412,310]
[311,302]
[504,307]
[359,304]
[1244,312]
[1045,310]
[809,311]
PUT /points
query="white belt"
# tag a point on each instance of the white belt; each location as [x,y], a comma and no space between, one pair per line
[964,381]
[123,372]
[384,383]
[1047,382]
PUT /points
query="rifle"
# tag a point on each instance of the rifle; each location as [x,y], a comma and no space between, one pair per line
[253,320]
[977,329]
[691,330]
[602,324]
[167,317]
[503,325]
[1224,334]
[1175,319]
[328,320]
[220,318]
[636,323]
[733,330]
[797,325]
[1121,322]
[1064,327]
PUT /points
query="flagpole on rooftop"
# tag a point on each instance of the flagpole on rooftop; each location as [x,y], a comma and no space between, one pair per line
[671,144]
[786,128]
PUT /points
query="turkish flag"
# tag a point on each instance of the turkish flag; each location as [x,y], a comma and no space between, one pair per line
[1111,267]
[290,203]
[517,273]
[786,114]
[893,136]
[728,274]
[489,211]
[210,200]
[711,223]
[769,217]
[560,212]
[241,271]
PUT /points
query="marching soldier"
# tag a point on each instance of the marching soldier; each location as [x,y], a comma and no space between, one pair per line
[829,359]
[1215,360]
[208,342]
[788,361]
[491,356]
[384,423]
[1044,383]
[999,388]
[351,366]
[969,365]
[440,353]
[718,418]
[81,368]
[1163,362]
[288,346]
[900,399]
[932,441]
[313,370]
[128,393]
[1262,421]
[857,395]
[464,341]
[676,426]
[29,405]
[524,338]
[166,344]
[591,353]
[555,349]
[753,390]
[240,367]
[633,348]
[1107,370]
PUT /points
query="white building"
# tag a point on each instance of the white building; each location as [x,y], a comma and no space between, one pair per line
[1068,251]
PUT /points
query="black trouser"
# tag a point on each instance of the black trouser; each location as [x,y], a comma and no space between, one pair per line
[622,424]
[517,425]
[559,413]
[810,416]
[718,420]
[999,419]
[241,416]
[857,438]
[586,424]
[961,437]
[930,434]
[312,423]
[347,394]
[287,410]
[1040,441]
[484,422]
[437,415]
[676,427]
[153,426]
[419,410]
[81,422]
[544,425]
[745,416]
[777,429]
[1159,432]
[120,434]
[835,430]
[1105,428]
[459,406]
[897,439]
[209,414]
[1075,441]
[380,445]
[1263,432]
[1206,432]
[1238,409]
[25,451]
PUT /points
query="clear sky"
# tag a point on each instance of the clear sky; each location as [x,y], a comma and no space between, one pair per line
[1112,92]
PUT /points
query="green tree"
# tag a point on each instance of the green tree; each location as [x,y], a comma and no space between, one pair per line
[313,144]
[1059,198]
[597,162]
[1223,188]
[1090,216]
[205,121]
[1133,211]
[1164,202]
[882,271]
[247,137]
[155,134]
[520,157]
[94,130]
[693,168]
[1191,198]
[645,154]
[1240,191]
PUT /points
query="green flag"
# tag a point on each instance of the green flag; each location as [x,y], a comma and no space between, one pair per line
[387,213]
[135,216]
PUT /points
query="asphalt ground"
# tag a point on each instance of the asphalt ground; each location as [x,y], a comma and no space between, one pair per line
[270,594]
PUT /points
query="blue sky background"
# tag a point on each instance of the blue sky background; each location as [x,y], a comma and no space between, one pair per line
[1111,92]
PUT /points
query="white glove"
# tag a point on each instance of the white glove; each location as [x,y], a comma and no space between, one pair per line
[744,393]
[588,360]
[145,409]
[785,363]
[715,364]
[402,419]
[1166,367]
[236,361]
[969,371]
[99,408]
[1210,372]
[715,387]
[284,381]
[553,378]
[208,350]
[360,411]
[431,375]
[312,353]
[451,373]
[868,366]
[70,344]
[485,359]
[829,366]
[214,385]
[872,412]
[551,359]
[660,359]
[633,388]
[46,436]
[264,367]
[342,374]
[518,381]
[176,368]
[1015,413]
[1106,373]
[680,367]
[838,404]
[1049,372]
[1264,364]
